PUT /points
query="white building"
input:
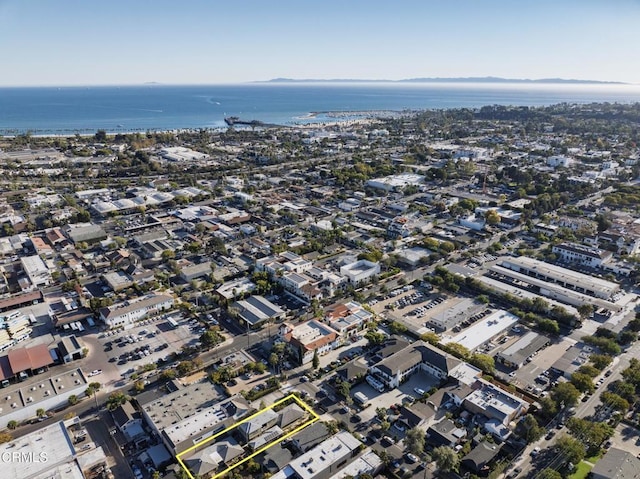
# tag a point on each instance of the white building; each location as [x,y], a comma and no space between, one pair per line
[494,402]
[559,161]
[127,313]
[393,182]
[360,272]
[585,255]
[324,460]
[308,337]
[36,270]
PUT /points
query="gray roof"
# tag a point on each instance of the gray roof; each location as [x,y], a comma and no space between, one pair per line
[290,414]
[482,454]
[123,414]
[416,353]
[617,464]
[87,233]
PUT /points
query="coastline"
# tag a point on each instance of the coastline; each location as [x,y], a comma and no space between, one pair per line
[322,119]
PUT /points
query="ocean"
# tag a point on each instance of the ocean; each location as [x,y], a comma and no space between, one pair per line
[70,110]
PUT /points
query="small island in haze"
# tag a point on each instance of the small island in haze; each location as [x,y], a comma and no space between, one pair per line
[448,80]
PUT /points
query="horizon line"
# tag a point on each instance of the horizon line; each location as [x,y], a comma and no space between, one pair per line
[282,80]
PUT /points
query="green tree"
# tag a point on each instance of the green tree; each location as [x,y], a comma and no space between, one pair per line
[549,473]
[591,433]
[343,389]
[614,401]
[210,338]
[446,458]
[457,350]
[315,362]
[589,370]
[548,406]
[585,310]
[397,328]
[73,400]
[582,382]
[12,424]
[600,361]
[430,337]
[385,425]
[374,337]
[115,400]
[414,440]
[572,449]
[532,430]
[40,412]
[185,367]
[138,386]
[168,254]
[483,361]
[565,394]
[492,217]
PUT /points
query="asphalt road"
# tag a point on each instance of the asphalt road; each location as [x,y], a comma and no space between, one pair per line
[530,466]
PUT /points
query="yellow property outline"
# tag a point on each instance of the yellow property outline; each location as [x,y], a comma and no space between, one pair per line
[314,418]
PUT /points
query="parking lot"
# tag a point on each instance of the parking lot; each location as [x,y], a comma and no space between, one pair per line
[406,392]
[151,340]
[526,375]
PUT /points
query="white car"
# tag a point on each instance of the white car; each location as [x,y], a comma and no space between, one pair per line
[95,372]
[419,392]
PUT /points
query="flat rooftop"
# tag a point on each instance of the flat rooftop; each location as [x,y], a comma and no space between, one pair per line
[561,274]
[366,463]
[555,289]
[523,293]
[484,330]
[53,440]
[316,461]
[39,388]
[178,405]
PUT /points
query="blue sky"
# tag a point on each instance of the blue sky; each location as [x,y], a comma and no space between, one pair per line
[80,42]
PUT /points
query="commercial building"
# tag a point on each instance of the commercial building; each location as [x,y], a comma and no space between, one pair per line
[367,463]
[86,234]
[127,313]
[324,460]
[557,283]
[581,254]
[516,354]
[189,412]
[617,464]
[360,272]
[494,403]
[36,271]
[396,182]
[256,310]
[20,402]
[49,452]
[485,330]
[195,271]
[308,337]
[573,280]
[416,356]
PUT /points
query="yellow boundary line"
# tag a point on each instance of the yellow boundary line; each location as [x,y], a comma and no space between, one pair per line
[301,403]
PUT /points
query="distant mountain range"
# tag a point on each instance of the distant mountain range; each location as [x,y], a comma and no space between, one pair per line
[449,80]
